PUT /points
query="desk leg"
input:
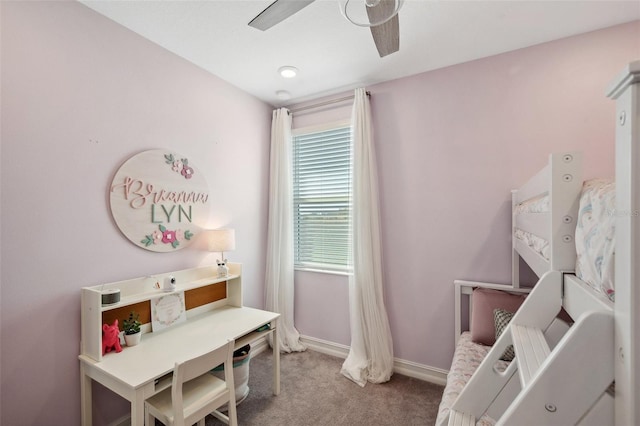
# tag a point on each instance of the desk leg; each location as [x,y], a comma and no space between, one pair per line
[86,397]
[137,409]
[276,361]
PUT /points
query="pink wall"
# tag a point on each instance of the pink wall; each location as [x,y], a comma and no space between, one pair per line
[81,94]
[451,144]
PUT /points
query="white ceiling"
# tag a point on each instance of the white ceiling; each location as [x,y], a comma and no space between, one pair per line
[334,55]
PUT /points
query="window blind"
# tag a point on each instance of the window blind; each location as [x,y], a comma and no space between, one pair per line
[322,199]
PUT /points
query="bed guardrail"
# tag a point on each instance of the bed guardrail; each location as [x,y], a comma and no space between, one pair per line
[556,187]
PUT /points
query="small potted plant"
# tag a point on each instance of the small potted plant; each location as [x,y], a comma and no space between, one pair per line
[131,328]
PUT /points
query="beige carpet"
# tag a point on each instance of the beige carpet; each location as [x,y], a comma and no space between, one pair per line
[313,392]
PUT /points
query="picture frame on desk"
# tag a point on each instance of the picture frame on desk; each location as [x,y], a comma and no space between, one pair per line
[168,310]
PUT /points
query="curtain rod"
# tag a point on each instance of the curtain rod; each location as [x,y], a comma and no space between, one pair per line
[321,104]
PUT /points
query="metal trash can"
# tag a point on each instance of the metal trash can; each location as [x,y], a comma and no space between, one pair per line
[240,373]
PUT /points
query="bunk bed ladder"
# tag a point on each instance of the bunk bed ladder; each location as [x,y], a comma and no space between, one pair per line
[567,384]
[532,350]
[560,387]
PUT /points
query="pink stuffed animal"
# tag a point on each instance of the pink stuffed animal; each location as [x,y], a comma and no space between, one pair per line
[110,338]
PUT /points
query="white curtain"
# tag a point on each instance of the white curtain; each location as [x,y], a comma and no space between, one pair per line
[371,355]
[279,268]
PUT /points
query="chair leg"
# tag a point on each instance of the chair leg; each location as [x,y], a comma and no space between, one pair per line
[149,419]
[201,422]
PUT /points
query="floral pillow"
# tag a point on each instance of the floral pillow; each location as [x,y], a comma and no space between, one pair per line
[501,319]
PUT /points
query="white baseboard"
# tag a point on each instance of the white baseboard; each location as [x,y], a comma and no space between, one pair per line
[325,347]
[400,366]
[420,371]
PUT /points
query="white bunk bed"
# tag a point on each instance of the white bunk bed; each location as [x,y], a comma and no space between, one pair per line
[545,212]
[587,374]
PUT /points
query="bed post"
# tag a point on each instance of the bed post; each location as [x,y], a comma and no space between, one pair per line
[515,257]
[626,92]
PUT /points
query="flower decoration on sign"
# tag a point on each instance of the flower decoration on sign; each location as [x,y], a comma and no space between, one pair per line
[162,235]
[179,166]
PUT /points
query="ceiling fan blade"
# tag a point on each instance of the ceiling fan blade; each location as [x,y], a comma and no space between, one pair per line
[276,12]
[386,36]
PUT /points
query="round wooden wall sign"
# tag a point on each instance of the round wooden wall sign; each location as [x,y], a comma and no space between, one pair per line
[159,200]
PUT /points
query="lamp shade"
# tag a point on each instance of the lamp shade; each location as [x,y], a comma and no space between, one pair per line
[221,240]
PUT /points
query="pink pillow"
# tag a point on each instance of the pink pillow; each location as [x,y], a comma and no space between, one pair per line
[483,302]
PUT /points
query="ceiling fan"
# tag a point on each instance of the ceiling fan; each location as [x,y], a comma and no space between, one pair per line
[381,17]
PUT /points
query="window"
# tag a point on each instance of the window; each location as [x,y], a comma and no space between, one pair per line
[322,198]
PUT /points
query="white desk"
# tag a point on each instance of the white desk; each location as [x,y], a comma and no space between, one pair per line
[141,371]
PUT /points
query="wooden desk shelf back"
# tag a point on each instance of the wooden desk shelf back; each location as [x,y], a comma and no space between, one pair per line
[193,298]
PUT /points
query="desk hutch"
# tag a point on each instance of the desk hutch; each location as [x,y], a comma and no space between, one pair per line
[214,313]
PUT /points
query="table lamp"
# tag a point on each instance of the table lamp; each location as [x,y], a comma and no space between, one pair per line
[221,240]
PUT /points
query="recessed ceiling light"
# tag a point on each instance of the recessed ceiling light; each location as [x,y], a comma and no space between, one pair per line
[288,71]
[283,95]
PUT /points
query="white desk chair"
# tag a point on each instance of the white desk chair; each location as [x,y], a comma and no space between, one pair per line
[195,392]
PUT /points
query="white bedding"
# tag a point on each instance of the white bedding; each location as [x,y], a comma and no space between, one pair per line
[539,245]
[595,235]
[538,204]
[533,205]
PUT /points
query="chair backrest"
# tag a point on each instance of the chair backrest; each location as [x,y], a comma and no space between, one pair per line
[196,367]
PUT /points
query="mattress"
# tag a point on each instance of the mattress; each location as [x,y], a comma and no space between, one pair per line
[595,236]
[466,359]
[533,205]
[538,244]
